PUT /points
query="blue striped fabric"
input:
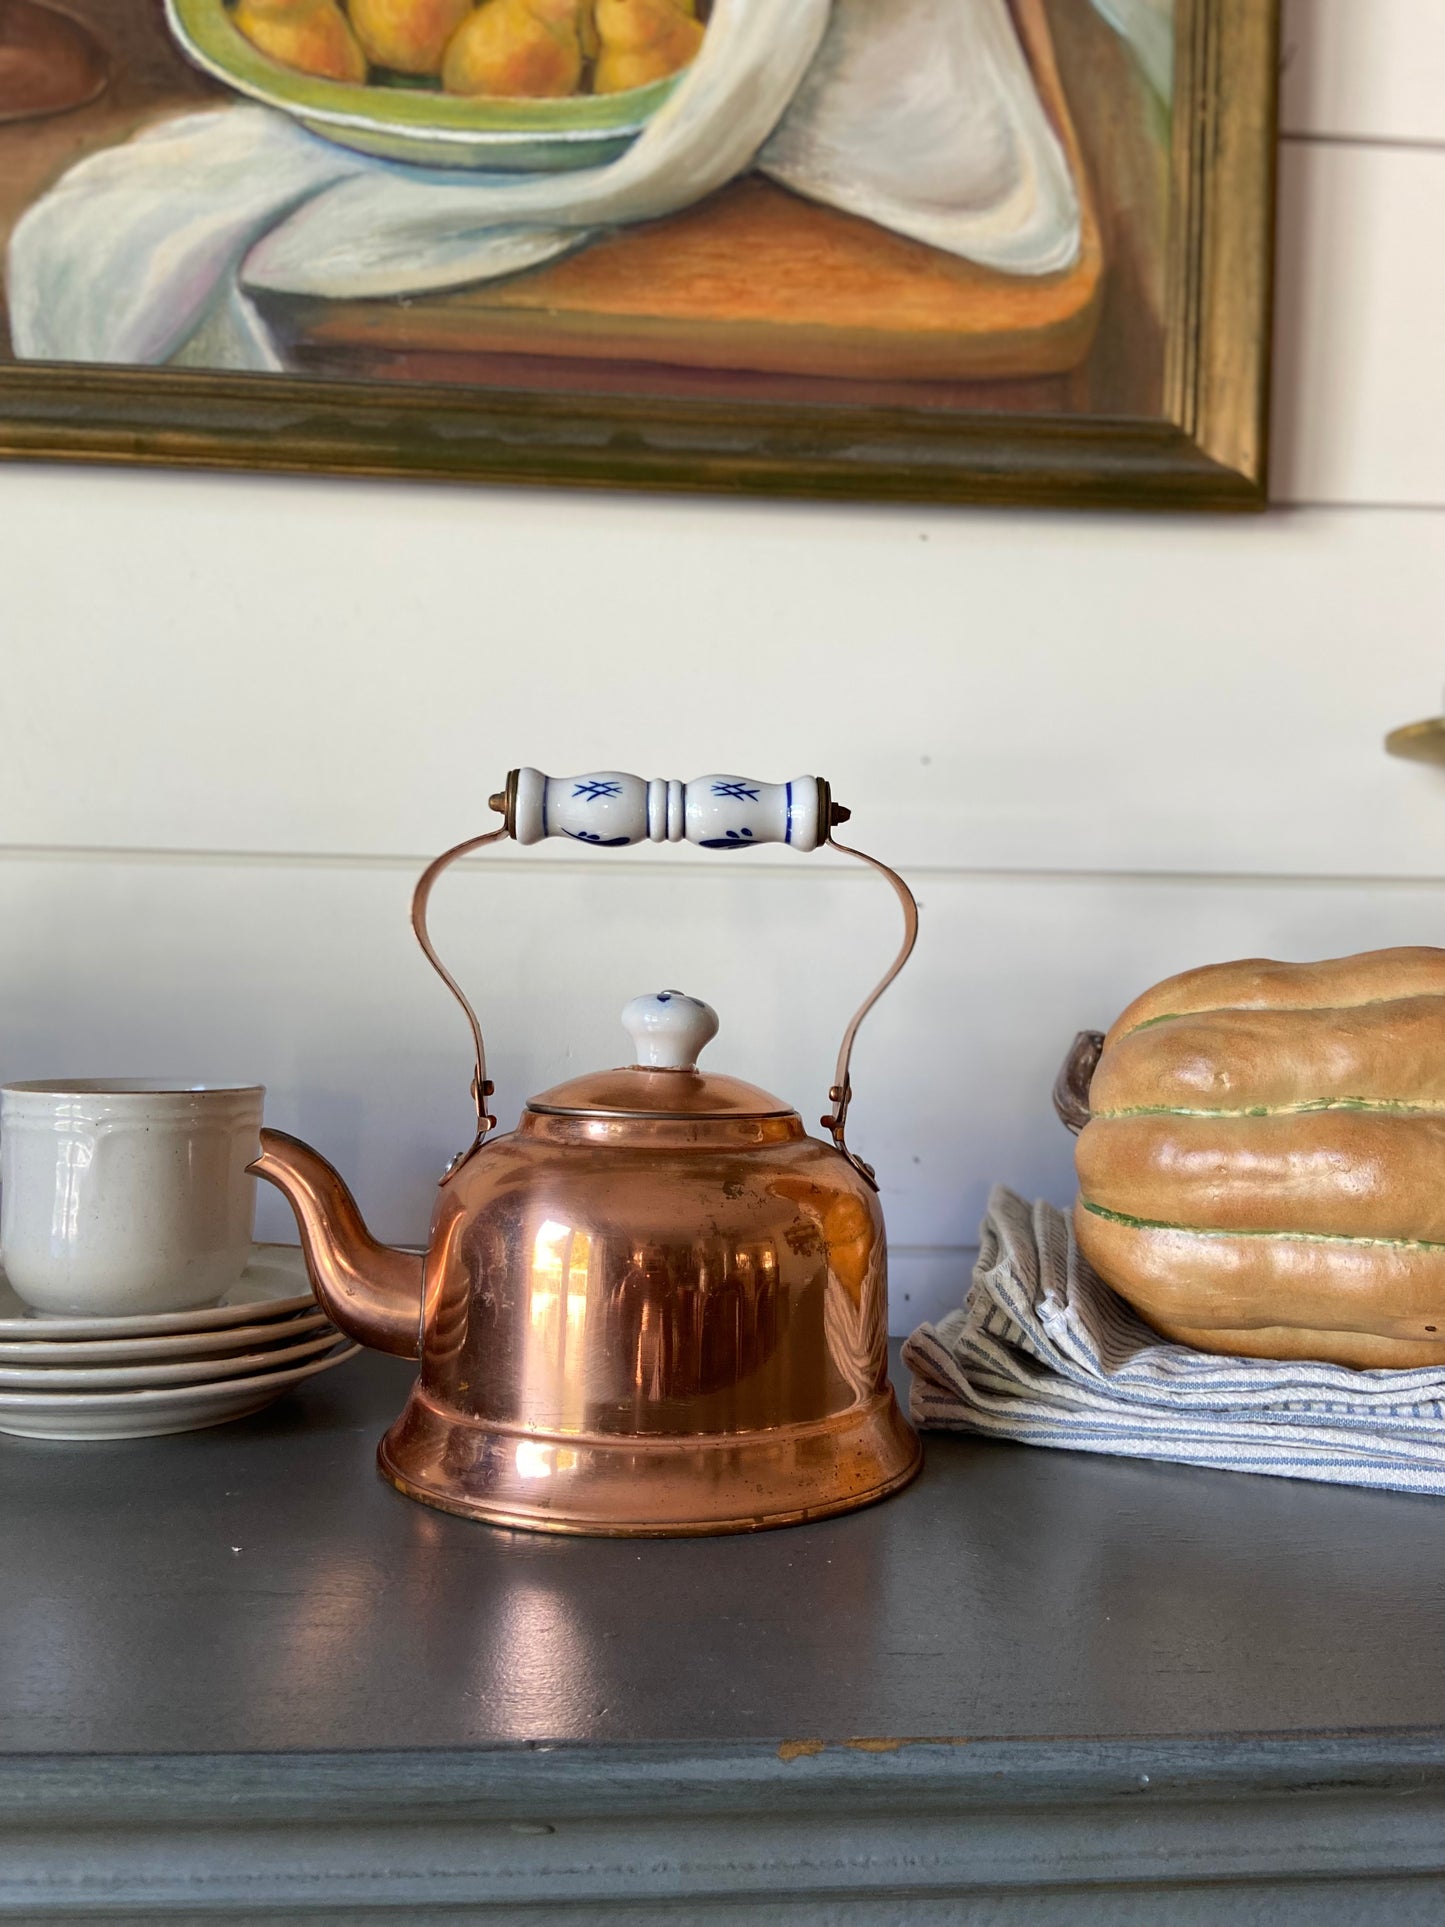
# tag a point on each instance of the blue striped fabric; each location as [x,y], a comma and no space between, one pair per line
[1044,1352]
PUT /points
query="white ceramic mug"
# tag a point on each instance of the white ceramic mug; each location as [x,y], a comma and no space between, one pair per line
[126,1195]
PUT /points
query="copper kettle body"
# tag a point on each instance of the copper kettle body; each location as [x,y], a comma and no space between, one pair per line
[658,1306]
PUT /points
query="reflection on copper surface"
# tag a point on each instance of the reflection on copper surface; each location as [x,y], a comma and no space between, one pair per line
[689,1320]
[619,1331]
[445,1298]
[538,1461]
[556,1326]
[855,1307]
[856,1329]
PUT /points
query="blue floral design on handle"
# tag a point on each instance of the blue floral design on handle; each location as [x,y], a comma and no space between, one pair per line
[719,811]
[602,842]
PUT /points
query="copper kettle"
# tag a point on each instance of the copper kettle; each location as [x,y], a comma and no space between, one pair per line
[658,1305]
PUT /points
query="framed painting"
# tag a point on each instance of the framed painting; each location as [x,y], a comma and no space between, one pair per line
[998,250]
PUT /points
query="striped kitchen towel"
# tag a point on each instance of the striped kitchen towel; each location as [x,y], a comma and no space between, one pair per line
[1043,1351]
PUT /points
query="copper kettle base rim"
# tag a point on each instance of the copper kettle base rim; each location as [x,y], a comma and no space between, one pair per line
[652,1487]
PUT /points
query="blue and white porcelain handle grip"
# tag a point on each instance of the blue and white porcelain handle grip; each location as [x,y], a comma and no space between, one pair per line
[610,810]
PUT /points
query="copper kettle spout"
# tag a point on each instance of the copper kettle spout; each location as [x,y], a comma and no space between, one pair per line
[371,1290]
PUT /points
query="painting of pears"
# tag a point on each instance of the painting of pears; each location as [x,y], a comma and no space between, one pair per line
[499,49]
[967,210]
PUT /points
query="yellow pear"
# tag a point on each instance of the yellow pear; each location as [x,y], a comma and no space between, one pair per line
[519,49]
[409,36]
[643,40]
[309,35]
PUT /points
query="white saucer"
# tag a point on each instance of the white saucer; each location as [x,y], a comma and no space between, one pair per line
[144,1415]
[136,1350]
[185,1371]
[273,1285]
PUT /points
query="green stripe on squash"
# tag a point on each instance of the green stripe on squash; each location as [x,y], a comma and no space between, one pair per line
[1293,1237]
[1387,1106]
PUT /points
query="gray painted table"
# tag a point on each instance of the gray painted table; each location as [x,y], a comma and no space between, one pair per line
[241,1680]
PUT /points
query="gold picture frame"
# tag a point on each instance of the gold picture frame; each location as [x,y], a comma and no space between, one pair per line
[1206,449]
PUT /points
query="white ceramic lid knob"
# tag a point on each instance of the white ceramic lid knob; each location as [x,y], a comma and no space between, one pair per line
[668,1029]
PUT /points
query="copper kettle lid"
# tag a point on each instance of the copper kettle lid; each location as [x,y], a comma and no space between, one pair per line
[668,1030]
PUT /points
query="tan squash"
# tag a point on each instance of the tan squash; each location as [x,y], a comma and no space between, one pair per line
[1263,1167]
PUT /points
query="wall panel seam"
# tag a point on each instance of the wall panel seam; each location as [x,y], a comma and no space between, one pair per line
[817,874]
[1342,506]
[1392,143]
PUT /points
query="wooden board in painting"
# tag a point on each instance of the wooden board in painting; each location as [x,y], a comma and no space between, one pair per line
[817,267]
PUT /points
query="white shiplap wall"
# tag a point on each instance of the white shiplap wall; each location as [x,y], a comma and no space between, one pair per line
[238,713]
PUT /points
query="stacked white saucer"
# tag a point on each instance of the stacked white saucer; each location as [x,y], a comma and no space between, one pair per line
[133,1378]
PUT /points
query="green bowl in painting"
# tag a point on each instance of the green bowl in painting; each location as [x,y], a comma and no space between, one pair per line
[421,126]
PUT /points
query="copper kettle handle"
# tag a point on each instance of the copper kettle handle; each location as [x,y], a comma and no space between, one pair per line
[609,809]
